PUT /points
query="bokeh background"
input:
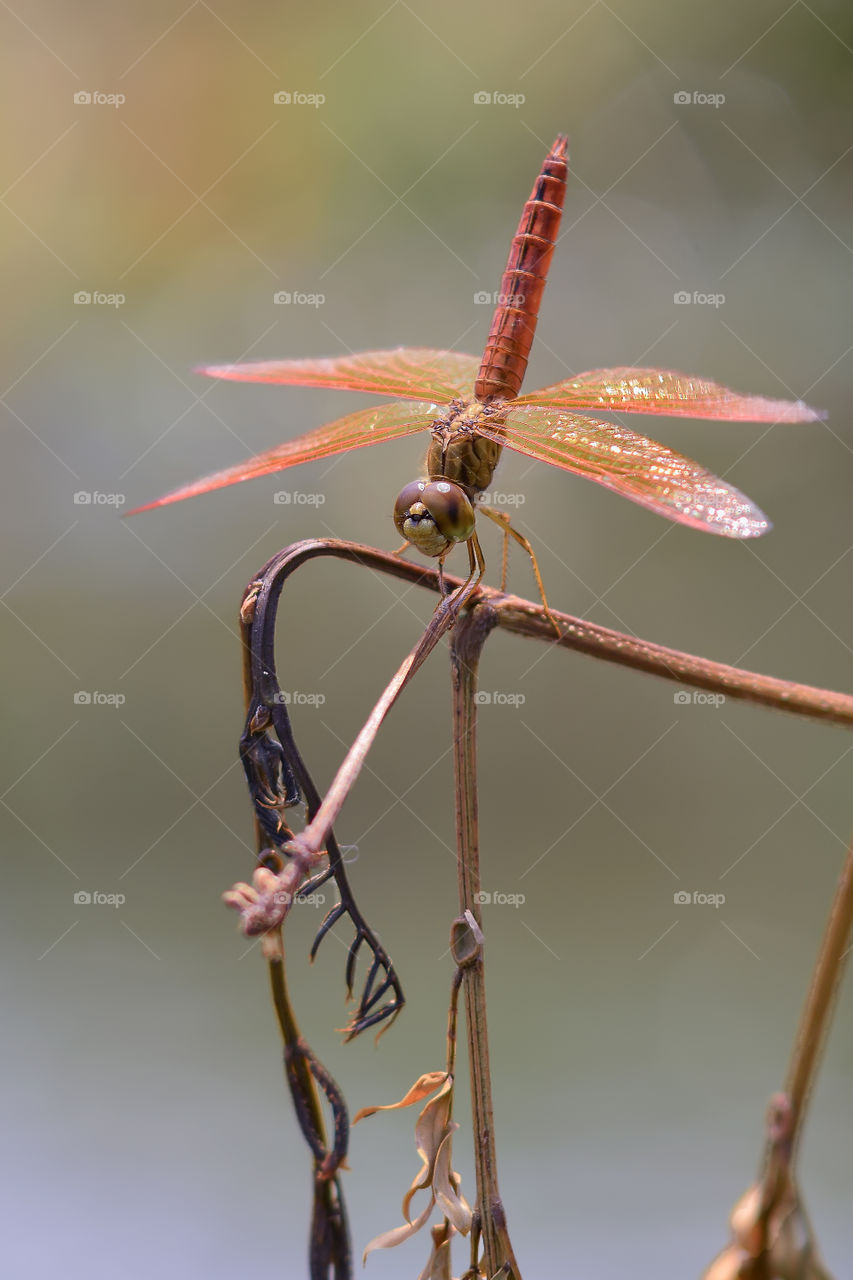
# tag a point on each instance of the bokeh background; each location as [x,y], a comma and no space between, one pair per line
[634,1041]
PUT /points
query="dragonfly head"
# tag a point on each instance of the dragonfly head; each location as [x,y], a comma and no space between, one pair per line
[433,514]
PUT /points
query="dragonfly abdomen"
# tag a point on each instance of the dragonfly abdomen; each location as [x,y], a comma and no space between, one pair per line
[514,322]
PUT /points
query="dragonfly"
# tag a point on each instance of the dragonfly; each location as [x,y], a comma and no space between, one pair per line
[473,410]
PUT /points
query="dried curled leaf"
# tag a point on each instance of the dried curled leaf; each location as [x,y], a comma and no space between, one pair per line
[389,1239]
[778,1245]
[433,1139]
[438,1264]
[772,1238]
[421,1089]
[430,1131]
[445,1184]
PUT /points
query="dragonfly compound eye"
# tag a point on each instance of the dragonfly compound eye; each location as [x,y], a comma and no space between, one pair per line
[433,514]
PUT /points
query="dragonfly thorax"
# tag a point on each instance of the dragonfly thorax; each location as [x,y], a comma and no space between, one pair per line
[433,514]
[459,452]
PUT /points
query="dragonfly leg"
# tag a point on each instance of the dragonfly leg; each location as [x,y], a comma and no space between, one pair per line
[504,555]
[476,569]
[442,585]
[503,521]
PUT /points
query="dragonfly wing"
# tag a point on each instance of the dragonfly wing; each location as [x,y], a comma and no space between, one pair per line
[663,391]
[368,426]
[415,372]
[635,467]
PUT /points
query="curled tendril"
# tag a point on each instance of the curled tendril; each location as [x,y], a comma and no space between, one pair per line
[278,780]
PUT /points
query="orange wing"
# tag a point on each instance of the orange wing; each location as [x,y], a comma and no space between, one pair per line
[368,426]
[415,372]
[635,467]
[662,391]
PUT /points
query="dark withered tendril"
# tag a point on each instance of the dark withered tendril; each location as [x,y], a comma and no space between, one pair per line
[278,780]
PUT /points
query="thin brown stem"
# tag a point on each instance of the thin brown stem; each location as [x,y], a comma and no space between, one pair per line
[817,1011]
[329,1248]
[522,617]
[452,1015]
[247,609]
[468,640]
[313,838]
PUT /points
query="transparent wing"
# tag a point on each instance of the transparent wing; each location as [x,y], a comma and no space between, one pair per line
[635,467]
[368,426]
[416,372]
[663,391]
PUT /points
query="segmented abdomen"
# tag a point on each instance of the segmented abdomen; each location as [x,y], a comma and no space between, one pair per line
[514,321]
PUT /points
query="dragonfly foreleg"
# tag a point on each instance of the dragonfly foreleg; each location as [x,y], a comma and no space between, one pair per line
[476,569]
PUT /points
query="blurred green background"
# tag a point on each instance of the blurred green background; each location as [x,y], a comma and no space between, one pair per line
[634,1042]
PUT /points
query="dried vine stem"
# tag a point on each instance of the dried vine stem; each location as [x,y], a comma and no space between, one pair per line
[817,1011]
[519,617]
[277,775]
[469,636]
[770,1229]
[330,1252]
[278,778]
[490,609]
[522,617]
[330,1255]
